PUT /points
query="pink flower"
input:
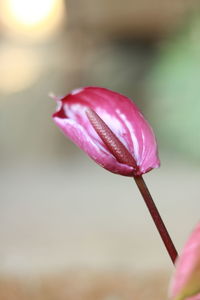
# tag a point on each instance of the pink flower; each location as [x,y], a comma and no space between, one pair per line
[186,281]
[109,128]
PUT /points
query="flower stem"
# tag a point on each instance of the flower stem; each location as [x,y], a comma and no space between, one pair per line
[156,218]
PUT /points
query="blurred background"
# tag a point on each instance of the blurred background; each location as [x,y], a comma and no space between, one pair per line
[68,228]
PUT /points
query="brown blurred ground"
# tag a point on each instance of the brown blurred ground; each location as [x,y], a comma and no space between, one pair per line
[85,285]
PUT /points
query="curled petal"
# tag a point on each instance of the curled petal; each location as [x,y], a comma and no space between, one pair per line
[121,116]
[186,281]
[92,147]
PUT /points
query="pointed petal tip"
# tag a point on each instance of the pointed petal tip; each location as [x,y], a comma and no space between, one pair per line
[52,96]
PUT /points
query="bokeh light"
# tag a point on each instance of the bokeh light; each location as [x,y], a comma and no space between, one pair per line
[19,69]
[33,18]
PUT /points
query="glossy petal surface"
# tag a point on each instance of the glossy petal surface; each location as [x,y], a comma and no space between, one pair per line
[186,281]
[123,118]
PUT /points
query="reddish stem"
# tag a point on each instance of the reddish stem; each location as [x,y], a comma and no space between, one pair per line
[156,218]
[122,155]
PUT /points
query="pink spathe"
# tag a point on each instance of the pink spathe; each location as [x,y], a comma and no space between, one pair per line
[186,280]
[121,116]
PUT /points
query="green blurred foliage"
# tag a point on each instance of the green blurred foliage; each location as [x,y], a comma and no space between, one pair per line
[174,90]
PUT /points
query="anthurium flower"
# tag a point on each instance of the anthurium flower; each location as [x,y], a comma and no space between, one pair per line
[112,131]
[186,281]
[109,128]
